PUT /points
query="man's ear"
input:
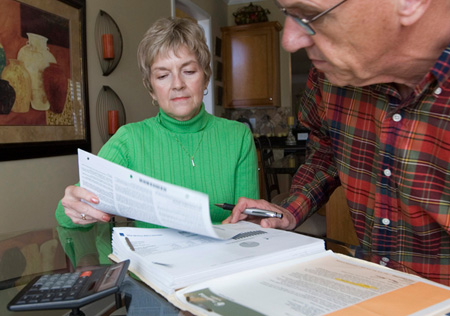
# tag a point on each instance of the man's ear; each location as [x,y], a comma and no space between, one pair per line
[410,11]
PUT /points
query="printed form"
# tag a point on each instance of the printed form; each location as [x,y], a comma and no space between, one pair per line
[130,194]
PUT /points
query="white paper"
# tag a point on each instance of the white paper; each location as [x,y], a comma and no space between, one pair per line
[130,194]
[311,286]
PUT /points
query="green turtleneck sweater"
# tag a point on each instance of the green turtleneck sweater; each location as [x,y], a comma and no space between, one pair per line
[161,147]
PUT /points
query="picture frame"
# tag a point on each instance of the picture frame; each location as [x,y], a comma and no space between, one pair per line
[47,114]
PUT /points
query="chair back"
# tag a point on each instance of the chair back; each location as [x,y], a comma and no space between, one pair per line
[270,179]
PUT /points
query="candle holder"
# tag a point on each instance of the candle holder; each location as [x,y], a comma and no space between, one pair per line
[110,113]
[108,41]
[290,140]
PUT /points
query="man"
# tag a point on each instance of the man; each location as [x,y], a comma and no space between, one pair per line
[378,106]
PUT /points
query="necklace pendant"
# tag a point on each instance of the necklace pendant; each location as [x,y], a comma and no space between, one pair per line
[193,164]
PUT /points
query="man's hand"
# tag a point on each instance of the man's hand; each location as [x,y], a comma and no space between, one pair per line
[288,221]
[79,211]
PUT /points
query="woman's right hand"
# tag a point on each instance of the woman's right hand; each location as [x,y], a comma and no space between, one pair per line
[80,212]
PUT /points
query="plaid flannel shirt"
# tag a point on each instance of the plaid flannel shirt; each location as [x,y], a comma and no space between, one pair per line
[392,157]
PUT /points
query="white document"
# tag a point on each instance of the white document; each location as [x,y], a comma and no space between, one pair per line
[130,194]
[322,284]
[169,259]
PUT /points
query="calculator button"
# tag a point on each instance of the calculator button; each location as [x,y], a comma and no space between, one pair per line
[59,296]
[47,297]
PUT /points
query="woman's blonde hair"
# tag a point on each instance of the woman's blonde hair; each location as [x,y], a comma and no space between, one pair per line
[168,35]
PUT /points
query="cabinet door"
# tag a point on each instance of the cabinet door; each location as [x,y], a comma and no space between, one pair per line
[251,65]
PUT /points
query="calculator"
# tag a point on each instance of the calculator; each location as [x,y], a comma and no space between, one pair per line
[70,290]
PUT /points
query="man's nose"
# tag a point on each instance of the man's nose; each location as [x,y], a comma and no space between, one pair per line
[295,37]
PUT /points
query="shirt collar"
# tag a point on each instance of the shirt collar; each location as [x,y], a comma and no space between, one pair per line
[441,69]
[438,75]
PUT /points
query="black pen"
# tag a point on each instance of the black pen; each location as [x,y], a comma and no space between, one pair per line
[129,243]
[252,211]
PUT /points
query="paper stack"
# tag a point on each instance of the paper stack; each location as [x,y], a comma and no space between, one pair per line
[169,259]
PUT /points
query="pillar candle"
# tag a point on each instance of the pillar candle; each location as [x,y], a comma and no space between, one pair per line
[291,161]
[291,121]
[108,46]
[113,121]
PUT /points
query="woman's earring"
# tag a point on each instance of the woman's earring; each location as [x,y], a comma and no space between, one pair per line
[154,102]
[205,93]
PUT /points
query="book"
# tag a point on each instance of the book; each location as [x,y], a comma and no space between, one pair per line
[169,259]
[320,284]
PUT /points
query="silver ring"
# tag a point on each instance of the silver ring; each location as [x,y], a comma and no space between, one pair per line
[83,216]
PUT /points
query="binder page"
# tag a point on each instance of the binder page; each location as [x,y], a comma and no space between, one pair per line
[130,194]
[318,285]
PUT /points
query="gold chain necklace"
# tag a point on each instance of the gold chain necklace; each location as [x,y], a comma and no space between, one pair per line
[186,151]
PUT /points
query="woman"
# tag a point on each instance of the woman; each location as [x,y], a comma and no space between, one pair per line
[183,144]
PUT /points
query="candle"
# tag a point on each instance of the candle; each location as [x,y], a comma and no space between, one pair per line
[291,161]
[291,121]
[113,121]
[108,46]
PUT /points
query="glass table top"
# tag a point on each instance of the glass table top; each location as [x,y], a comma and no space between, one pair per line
[26,254]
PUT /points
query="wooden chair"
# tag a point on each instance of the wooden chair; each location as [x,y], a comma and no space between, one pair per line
[270,179]
[340,225]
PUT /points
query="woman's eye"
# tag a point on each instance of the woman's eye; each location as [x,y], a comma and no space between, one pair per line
[161,76]
[190,72]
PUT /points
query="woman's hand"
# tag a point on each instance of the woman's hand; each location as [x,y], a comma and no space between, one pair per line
[288,221]
[80,212]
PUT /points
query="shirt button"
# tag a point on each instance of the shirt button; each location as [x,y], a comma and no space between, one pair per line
[386,221]
[387,172]
[397,117]
[438,91]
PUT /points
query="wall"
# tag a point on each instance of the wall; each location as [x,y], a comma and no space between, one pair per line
[30,189]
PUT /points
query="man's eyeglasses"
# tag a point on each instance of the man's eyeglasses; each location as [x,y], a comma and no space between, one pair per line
[303,21]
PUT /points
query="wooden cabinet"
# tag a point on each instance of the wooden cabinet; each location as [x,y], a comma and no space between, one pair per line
[251,61]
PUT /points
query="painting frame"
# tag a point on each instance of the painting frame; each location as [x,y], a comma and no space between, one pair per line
[22,141]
